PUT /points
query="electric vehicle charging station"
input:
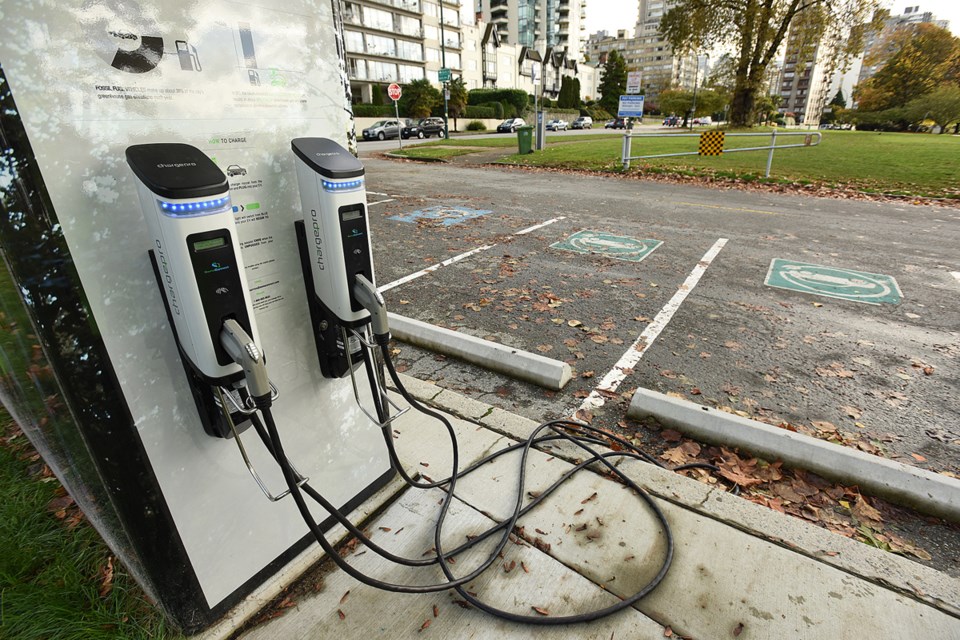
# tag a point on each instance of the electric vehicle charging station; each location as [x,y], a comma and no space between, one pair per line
[126,407]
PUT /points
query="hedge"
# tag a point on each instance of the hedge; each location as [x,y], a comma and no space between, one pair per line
[516,98]
[373,111]
[478,111]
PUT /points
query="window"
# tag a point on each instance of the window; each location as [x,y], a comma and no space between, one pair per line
[351,13]
[453,60]
[408,26]
[357,68]
[382,71]
[353,41]
[378,45]
[409,73]
[433,55]
[377,19]
[431,9]
[451,39]
[409,50]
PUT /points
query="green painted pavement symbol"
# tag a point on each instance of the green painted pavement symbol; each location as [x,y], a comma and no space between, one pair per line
[609,245]
[845,284]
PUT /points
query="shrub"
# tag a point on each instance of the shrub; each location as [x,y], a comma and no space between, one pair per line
[516,98]
[495,107]
[479,111]
[372,111]
[476,125]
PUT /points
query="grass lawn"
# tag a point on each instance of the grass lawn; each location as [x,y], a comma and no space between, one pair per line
[424,151]
[912,164]
[503,143]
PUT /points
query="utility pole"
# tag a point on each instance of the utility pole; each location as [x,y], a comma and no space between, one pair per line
[443,63]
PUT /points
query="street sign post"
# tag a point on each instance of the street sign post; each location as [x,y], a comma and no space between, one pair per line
[395,92]
[444,74]
[633,82]
[630,107]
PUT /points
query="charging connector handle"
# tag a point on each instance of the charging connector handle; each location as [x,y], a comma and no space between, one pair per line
[368,296]
[247,354]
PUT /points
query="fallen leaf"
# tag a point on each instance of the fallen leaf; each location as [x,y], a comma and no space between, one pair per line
[543,348]
[918,457]
[426,623]
[667,373]
[864,512]
[852,412]
[593,496]
[106,578]
[587,374]
[670,435]
[341,614]
[928,370]
[344,597]
[574,323]
[737,630]
[541,611]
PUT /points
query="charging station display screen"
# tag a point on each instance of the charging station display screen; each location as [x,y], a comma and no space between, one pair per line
[348,215]
[212,243]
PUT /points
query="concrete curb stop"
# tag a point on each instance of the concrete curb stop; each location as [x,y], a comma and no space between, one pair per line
[397,156]
[922,490]
[516,363]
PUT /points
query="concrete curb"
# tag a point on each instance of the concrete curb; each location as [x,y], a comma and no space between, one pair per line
[522,365]
[922,490]
[397,156]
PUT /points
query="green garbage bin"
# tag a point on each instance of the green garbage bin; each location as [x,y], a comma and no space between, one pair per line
[525,139]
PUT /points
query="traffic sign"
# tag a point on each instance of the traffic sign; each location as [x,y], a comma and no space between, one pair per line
[633,82]
[394,91]
[444,74]
[833,282]
[630,107]
[609,245]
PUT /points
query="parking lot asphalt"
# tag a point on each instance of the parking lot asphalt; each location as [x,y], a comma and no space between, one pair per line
[882,377]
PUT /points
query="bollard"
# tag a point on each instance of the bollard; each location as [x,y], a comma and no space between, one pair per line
[626,149]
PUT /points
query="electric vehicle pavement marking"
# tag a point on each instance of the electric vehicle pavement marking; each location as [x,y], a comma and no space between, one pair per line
[413,276]
[833,282]
[611,382]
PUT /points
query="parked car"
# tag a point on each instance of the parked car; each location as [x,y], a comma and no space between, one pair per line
[382,130]
[423,128]
[583,122]
[510,125]
[236,170]
[616,123]
[557,125]
[704,120]
[671,121]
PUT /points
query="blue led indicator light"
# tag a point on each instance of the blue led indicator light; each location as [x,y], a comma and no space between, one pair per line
[197,207]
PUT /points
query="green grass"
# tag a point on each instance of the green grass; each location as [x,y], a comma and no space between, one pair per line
[423,151]
[503,143]
[50,571]
[51,560]
[908,164]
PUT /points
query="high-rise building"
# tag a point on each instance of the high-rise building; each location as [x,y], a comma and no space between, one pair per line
[876,51]
[539,24]
[807,73]
[648,52]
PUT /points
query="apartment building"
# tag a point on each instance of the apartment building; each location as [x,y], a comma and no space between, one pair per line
[538,24]
[648,52]
[807,74]
[399,41]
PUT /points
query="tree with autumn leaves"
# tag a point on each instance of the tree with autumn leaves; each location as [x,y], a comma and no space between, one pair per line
[921,77]
[757,29]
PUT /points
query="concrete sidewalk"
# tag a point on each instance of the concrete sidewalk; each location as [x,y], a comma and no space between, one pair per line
[739,570]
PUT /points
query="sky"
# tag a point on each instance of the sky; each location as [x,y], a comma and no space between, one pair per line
[622,14]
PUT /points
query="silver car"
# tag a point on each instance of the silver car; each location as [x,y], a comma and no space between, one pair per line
[382,130]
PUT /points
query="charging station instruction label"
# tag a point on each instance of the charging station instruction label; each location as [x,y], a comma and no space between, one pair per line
[237,80]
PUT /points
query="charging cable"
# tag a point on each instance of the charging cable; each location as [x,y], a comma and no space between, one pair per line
[244,352]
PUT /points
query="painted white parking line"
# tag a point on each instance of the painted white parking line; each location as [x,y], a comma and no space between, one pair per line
[449,261]
[434,267]
[956,274]
[624,366]
[715,206]
[539,226]
[377,193]
[370,204]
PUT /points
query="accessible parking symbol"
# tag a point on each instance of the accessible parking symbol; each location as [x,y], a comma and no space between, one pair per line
[832,282]
[609,245]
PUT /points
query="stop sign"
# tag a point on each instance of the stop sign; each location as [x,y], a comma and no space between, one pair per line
[394,91]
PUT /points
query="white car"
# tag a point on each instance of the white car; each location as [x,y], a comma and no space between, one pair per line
[557,125]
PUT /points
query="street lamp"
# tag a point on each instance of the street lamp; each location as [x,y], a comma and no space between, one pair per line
[443,64]
[696,74]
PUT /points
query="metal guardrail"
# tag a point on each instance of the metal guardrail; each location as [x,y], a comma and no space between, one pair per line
[810,140]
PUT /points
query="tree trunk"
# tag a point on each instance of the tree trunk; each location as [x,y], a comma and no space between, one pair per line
[742,106]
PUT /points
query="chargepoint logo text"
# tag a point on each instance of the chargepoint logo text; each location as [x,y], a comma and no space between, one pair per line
[317,239]
[167,279]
